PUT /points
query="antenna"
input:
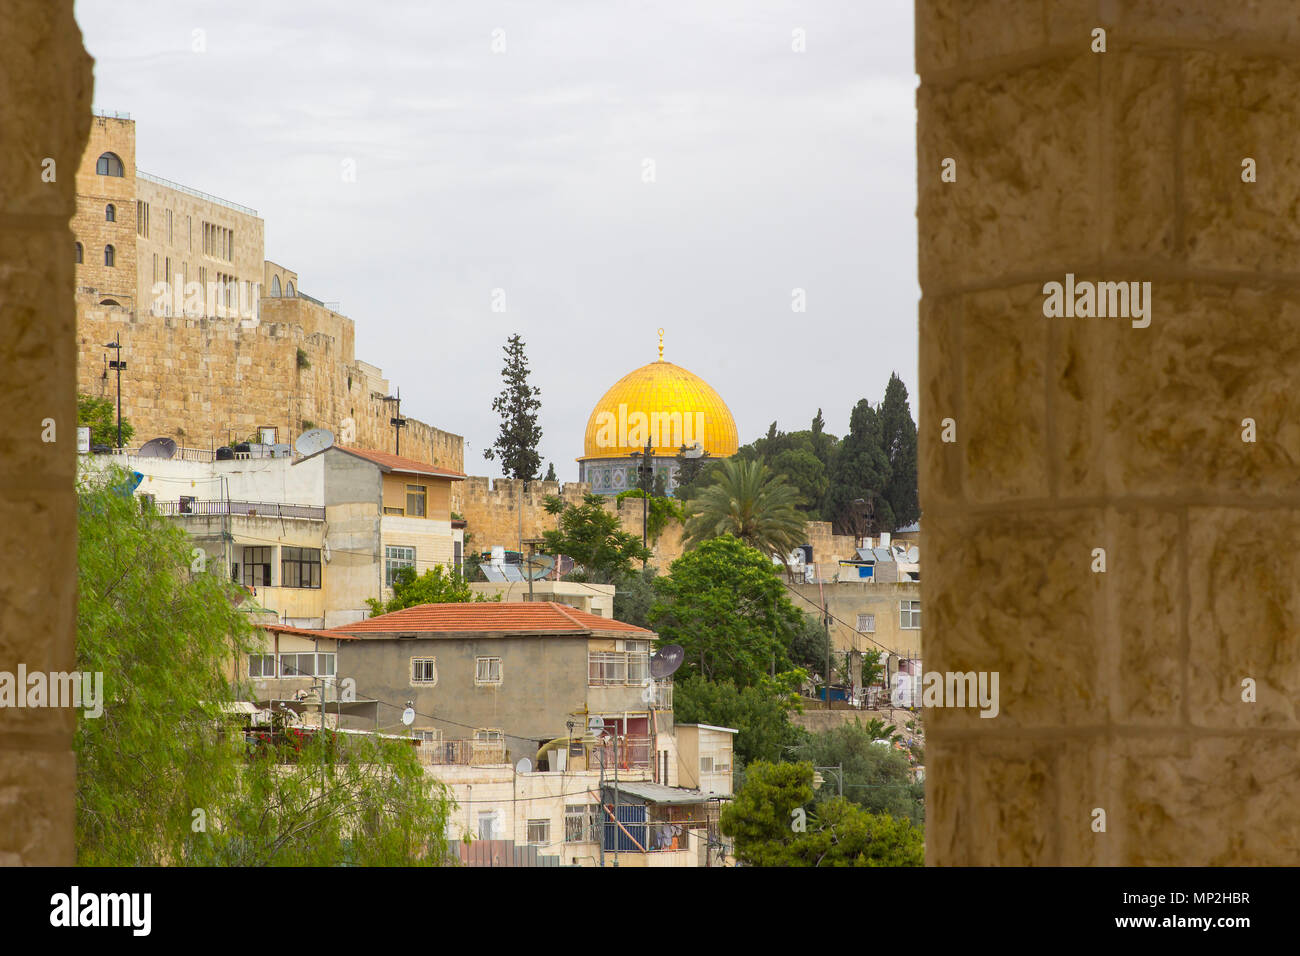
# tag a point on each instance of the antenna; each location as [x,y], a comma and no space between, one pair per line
[313,441]
[664,663]
[158,448]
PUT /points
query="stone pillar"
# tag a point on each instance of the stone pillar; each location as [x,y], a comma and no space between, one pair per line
[45,87]
[1121,690]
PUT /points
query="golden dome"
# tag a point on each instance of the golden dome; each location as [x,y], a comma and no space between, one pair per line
[665,403]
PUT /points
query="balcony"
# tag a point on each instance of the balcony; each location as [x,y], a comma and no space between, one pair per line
[461,752]
[624,752]
[251,509]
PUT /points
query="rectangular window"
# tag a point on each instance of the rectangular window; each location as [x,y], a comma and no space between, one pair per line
[606,667]
[458,556]
[482,736]
[638,661]
[867,623]
[910,615]
[257,567]
[169,227]
[488,670]
[579,823]
[393,511]
[706,765]
[424,670]
[261,665]
[539,832]
[306,665]
[396,556]
[487,824]
[300,567]
[428,736]
[416,495]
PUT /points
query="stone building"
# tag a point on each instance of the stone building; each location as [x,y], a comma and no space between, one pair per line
[221,344]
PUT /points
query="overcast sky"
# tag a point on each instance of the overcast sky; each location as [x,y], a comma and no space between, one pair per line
[522,170]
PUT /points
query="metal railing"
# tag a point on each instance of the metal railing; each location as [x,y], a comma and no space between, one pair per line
[632,752]
[463,752]
[159,181]
[182,454]
[251,509]
[110,114]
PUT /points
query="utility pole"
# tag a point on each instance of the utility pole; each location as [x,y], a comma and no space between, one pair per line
[118,364]
[826,627]
[644,474]
[397,421]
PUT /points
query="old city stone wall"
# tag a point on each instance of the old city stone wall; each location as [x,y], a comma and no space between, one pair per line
[1120,691]
[205,381]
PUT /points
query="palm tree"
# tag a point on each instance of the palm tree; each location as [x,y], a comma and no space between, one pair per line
[747,500]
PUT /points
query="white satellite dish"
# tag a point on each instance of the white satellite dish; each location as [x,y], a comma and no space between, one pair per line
[408,716]
[595,726]
[524,766]
[313,441]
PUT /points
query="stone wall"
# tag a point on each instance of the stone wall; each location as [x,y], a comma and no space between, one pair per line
[45,96]
[1121,692]
[205,381]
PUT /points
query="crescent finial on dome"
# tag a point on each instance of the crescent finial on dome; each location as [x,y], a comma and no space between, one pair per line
[661,345]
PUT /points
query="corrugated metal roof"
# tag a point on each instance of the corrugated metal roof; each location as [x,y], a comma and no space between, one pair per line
[527,617]
[658,793]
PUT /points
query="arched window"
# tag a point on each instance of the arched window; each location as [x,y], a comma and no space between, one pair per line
[275,287]
[79,254]
[110,213]
[108,255]
[109,165]
[288,290]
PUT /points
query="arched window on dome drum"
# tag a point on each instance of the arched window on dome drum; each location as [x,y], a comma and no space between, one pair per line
[79,254]
[109,164]
[109,255]
[110,213]
[288,289]
[275,287]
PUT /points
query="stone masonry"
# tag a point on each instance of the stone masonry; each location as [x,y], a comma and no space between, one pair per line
[45,93]
[1121,691]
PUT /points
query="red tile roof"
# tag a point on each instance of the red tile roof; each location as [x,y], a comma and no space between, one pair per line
[526,617]
[402,464]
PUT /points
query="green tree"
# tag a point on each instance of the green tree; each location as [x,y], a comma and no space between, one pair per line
[747,501]
[692,473]
[861,472]
[520,434]
[160,621]
[592,537]
[437,585]
[898,439]
[550,472]
[724,603]
[635,595]
[771,826]
[660,512]
[100,414]
[809,645]
[876,777]
[805,472]
[760,714]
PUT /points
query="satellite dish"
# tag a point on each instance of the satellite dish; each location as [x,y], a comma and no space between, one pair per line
[158,448]
[595,726]
[310,442]
[408,716]
[664,663]
[524,766]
